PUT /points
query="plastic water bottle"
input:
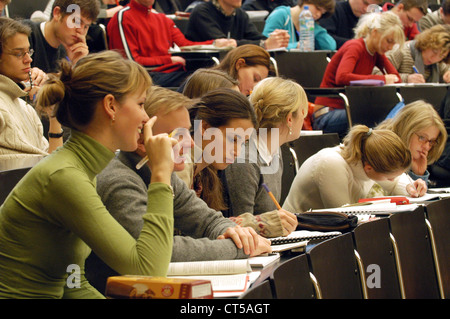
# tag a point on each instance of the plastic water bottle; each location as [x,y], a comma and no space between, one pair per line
[306,23]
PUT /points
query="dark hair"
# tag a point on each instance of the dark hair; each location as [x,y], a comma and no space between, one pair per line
[217,108]
[77,91]
[89,8]
[446,7]
[422,5]
[327,5]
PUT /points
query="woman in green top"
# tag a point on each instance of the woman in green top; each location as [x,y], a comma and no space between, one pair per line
[54,217]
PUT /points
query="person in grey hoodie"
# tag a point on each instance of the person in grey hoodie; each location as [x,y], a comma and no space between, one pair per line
[205,233]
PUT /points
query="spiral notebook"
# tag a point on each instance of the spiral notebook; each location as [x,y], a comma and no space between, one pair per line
[303,235]
[382,208]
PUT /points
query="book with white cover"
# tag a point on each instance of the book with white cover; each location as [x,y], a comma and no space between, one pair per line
[228,277]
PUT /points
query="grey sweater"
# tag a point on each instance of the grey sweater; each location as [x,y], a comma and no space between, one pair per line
[124,192]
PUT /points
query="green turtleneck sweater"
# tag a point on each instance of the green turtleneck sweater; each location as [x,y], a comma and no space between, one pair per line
[54,217]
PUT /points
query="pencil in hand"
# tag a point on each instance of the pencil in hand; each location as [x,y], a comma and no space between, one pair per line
[271,196]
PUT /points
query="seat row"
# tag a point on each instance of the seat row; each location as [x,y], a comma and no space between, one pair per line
[403,256]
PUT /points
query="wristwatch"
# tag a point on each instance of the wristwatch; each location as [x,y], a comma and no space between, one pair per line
[56,135]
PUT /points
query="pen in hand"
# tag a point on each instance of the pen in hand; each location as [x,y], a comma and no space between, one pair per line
[145,159]
[415,69]
[416,193]
[271,196]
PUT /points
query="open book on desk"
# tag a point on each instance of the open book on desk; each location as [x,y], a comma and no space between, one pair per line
[229,278]
[374,208]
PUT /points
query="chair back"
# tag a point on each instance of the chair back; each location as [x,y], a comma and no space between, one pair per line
[438,217]
[372,242]
[291,279]
[306,68]
[9,179]
[370,105]
[431,94]
[333,263]
[413,249]
[262,290]
[308,145]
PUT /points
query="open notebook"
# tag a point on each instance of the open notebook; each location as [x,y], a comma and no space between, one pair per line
[382,208]
[302,236]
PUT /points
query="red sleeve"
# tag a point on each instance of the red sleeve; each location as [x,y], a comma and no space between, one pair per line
[346,70]
[411,32]
[128,44]
[383,63]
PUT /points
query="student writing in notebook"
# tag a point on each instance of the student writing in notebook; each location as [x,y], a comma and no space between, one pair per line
[280,107]
[422,129]
[346,173]
[375,34]
[426,58]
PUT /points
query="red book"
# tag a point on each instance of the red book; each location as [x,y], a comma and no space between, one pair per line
[399,200]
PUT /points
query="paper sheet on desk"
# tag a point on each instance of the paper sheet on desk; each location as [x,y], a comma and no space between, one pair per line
[428,196]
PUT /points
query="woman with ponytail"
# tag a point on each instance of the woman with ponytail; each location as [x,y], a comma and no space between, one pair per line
[280,106]
[346,173]
[54,217]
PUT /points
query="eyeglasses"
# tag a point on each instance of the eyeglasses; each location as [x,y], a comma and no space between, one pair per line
[424,140]
[21,54]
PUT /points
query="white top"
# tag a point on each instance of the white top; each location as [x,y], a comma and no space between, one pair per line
[326,180]
[21,130]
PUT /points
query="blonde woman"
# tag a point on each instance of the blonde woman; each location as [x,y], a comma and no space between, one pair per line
[280,106]
[54,217]
[346,173]
[375,34]
[426,58]
[422,129]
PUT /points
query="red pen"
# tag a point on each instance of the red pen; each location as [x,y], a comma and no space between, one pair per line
[117,3]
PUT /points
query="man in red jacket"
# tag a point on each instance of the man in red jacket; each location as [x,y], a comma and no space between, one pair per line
[409,12]
[146,36]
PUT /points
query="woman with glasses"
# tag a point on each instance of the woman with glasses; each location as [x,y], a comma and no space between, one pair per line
[21,130]
[422,129]
[426,58]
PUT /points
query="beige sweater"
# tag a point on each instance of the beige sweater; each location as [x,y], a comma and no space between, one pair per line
[21,130]
[403,62]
